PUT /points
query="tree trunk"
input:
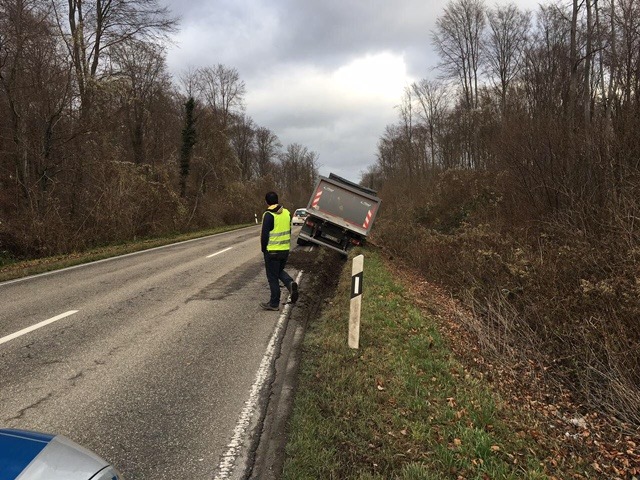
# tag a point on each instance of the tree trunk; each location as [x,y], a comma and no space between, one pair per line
[587,69]
[573,63]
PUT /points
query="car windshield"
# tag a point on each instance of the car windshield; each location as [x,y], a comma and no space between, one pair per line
[300,213]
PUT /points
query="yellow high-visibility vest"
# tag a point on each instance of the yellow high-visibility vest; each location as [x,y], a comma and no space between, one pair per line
[280,236]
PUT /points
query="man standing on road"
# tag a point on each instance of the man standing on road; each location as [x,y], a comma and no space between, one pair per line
[275,241]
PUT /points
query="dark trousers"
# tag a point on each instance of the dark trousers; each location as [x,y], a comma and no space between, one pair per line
[274,263]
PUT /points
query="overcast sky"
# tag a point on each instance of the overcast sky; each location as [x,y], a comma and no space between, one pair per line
[326,74]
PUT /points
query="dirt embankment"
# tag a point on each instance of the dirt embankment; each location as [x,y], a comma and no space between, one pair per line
[322,269]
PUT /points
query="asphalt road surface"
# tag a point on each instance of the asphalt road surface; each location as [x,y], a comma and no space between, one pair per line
[151,359]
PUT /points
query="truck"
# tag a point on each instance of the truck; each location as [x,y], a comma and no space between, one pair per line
[340,214]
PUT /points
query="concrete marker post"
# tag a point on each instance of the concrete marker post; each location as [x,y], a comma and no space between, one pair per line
[356,301]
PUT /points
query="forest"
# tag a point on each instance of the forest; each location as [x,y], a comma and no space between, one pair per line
[512,178]
[100,144]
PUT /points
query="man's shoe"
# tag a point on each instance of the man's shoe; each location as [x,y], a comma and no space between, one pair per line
[267,306]
[293,290]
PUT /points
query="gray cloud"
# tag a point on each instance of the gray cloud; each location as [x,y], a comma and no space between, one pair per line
[290,54]
[333,29]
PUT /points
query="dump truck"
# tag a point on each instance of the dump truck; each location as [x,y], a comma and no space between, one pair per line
[340,214]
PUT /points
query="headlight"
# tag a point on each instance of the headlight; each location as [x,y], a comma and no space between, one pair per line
[107,473]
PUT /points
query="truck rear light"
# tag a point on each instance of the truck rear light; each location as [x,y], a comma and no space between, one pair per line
[355,241]
[310,223]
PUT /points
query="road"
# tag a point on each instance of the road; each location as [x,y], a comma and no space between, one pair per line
[150,359]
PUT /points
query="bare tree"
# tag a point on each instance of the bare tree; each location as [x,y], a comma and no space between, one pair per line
[430,96]
[34,82]
[298,172]
[458,40]
[588,64]
[93,27]
[141,66]
[243,143]
[267,149]
[627,25]
[221,89]
[219,94]
[189,139]
[410,154]
[546,71]
[505,46]
[573,63]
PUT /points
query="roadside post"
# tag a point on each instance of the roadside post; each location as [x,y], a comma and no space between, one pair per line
[356,301]
[256,215]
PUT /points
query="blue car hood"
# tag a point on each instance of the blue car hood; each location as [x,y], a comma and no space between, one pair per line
[28,455]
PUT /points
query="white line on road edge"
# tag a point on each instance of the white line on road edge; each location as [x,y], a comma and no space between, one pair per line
[227,463]
[139,252]
[218,253]
[36,326]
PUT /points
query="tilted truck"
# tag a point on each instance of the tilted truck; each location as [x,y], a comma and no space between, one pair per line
[340,214]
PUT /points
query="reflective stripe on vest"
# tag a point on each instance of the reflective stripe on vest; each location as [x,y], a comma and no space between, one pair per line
[280,236]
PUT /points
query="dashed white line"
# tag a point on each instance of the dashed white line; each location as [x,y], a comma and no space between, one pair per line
[218,253]
[36,326]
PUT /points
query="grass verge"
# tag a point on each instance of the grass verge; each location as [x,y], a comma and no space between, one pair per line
[18,269]
[401,406]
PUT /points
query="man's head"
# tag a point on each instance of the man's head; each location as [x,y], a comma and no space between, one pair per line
[271,198]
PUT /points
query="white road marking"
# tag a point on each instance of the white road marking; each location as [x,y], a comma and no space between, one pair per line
[227,464]
[218,253]
[140,252]
[36,326]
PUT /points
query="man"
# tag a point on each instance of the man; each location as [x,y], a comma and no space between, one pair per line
[275,241]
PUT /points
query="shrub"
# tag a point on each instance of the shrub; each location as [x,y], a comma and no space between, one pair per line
[548,290]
